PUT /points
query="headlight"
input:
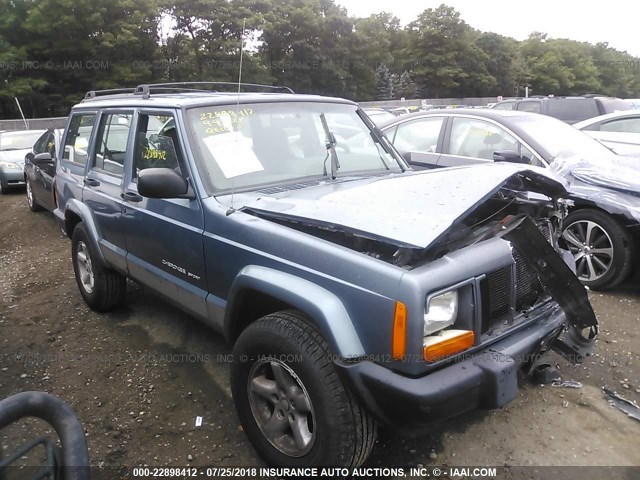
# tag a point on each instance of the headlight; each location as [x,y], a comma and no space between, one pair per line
[441,312]
[10,165]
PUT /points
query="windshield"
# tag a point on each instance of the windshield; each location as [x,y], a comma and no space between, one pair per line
[559,139]
[18,140]
[260,144]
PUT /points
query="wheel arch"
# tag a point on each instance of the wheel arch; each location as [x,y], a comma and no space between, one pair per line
[258,291]
[76,212]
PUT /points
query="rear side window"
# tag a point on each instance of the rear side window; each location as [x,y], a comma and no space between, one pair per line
[572,110]
[504,106]
[626,125]
[76,143]
[111,143]
[529,106]
[614,105]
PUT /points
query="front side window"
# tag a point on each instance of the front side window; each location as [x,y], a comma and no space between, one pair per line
[111,143]
[157,144]
[479,139]
[260,144]
[419,136]
[76,142]
[41,145]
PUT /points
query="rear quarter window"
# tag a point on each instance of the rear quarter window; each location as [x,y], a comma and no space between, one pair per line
[573,110]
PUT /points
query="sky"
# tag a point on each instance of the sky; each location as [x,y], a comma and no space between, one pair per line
[614,21]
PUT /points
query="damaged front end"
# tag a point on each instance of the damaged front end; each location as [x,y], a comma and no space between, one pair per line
[560,282]
[525,208]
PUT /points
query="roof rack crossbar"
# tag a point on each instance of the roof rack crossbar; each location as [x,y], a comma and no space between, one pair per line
[145,89]
[98,93]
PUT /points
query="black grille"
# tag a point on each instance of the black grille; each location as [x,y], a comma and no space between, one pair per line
[498,285]
[528,286]
[497,291]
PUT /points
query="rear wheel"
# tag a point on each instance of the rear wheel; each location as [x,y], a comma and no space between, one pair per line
[102,288]
[291,403]
[33,204]
[601,248]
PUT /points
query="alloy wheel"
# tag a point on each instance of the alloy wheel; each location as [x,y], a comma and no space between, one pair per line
[85,268]
[281,407]
[591,247]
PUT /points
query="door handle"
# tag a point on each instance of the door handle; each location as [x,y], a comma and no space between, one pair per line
[131,197]
[91,182]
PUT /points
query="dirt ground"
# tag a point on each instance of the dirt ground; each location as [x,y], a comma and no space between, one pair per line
[139,377]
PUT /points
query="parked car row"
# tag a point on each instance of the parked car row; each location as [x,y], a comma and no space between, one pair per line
[292,225]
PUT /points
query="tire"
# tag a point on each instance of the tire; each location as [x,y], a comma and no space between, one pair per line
[34,206]
[607,259]
[3,188]
[282,353]
[102,288]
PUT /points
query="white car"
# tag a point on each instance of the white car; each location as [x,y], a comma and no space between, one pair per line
[619,131]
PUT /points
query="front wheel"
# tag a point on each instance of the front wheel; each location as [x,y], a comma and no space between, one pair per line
[601,247]
[34,206]
[292,405]
[102,288]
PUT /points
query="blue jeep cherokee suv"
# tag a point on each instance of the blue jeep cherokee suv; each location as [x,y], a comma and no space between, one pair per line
[356,291]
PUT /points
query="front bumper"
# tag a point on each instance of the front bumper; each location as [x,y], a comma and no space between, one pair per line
[487,379]
[12,178]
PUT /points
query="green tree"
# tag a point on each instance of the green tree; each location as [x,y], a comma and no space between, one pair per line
[445,58]
[384,83]
[405,87]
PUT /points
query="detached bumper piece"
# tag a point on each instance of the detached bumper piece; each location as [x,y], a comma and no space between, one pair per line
[562,284]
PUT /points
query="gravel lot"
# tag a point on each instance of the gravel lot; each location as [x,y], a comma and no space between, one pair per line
[138,377]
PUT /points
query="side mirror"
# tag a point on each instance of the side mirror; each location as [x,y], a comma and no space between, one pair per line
[43,161]
[161,183]
[509,156]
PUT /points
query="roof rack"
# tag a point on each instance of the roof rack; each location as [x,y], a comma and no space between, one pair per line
[176,87]
[111,91]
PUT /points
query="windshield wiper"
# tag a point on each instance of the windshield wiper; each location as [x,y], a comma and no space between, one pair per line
[331,148]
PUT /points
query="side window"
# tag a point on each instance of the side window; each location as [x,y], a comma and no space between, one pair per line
[76,142]
[530,156]
[156,143]
[41,144]
[419,136]
[628,125]
[51,145]
[504,106]
[479,139]
[530,106]
[111,142]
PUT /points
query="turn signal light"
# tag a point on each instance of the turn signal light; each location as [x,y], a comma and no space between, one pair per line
[447,343]
[399,337]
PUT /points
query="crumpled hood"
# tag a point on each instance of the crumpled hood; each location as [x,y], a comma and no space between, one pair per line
[410,210]
[15,156]
[615,172]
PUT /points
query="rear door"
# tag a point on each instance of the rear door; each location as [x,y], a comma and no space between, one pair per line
[74,153]
[164,235]
[104,181]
